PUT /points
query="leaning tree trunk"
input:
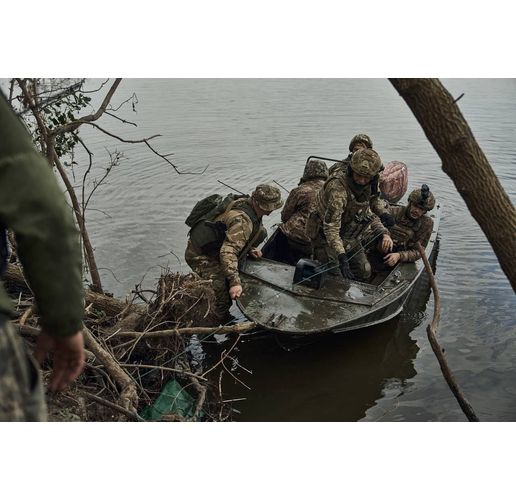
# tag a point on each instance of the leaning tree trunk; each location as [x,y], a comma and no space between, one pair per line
[465,163]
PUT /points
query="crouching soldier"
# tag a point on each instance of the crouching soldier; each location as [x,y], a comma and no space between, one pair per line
[343,212]
[411,226]
[359,142]
[237,232]
[377,204]
[300,203]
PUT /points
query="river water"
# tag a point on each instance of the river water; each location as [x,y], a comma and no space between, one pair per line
[252,131]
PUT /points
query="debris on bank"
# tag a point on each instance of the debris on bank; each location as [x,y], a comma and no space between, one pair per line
[138,362]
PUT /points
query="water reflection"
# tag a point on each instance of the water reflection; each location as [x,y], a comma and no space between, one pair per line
[336,378]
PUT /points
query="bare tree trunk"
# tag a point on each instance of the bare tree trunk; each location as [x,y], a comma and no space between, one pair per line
[88,249]
[465,163]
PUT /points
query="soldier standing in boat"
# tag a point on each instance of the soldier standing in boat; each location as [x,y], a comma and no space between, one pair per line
[377,204]
[243,230]
[359,142]
[343,212]
[411,225]
[300,203]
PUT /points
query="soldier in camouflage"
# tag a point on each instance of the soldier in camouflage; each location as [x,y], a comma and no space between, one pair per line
[343,213]
[244,229]
[411,226]
[32,205]
[378,206]
[300,203]
[359,141]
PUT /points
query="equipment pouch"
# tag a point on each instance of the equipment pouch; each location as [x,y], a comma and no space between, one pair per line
[208,236]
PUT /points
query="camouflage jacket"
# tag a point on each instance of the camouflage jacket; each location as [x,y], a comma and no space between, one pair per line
[237,241]
[32,205]
[338,208]
[300,203]
[341,166]
[406,232]
[378,205]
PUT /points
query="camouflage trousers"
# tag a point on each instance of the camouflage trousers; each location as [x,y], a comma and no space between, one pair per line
[21,389]
[209,268]
[358,261]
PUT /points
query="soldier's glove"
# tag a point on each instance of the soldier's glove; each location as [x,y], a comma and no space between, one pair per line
[344,267]
[387,220]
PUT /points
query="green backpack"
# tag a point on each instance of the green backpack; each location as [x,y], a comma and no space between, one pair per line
[210,207]
[206,234]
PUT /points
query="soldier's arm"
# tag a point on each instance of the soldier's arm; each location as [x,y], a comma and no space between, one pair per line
[378,206]
[336,201]
[423,235]
[290,206]
[238,232]
[33,206]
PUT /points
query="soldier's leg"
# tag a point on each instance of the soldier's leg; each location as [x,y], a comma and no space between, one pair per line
[209,268]
[21,390]
[359,264]
[358,261]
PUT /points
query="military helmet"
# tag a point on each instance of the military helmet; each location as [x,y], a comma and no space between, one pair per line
[315,169]
[422,198]
[361,138]
[366,162]
[267,197]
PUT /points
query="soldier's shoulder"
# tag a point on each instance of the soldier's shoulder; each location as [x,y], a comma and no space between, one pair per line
[238,216]
[427,223]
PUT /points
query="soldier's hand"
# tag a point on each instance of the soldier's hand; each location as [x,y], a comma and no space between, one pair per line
[68,357]
[387,243]
[235,292]
[392,259]
[344,267]
[387,220]
[255,253]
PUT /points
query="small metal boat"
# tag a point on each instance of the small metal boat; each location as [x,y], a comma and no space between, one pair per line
[273,301]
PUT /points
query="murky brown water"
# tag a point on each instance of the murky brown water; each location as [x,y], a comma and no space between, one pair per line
[252,131]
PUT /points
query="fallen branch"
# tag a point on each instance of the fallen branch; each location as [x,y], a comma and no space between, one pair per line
[438,350]
[129,394]
[110,305]
[238,328]
[130,414]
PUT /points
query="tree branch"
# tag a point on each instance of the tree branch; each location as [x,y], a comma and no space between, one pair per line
[438,350]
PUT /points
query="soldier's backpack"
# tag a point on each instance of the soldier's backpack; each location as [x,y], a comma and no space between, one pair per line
[206,233]
[210,207]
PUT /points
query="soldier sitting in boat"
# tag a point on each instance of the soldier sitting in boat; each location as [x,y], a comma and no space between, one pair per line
[300,203]
[214,255]
[343,212]
[411,226]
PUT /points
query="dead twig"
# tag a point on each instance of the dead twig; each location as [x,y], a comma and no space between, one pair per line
[128,394]
[130,414]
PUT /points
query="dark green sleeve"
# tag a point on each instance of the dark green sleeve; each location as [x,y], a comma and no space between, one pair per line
[33,206]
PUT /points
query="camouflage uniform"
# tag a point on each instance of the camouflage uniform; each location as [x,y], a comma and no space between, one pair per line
[21,389]
[406,231]
[377,205]
[221,267]
[300,203]
[343,212]
[34,208]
